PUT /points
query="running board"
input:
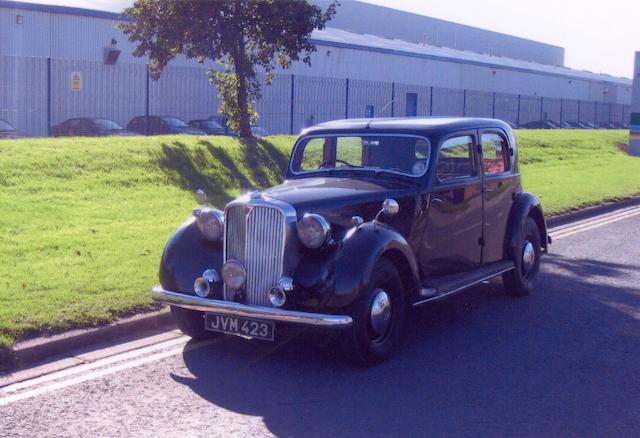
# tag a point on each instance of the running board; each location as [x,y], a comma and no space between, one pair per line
[451,284]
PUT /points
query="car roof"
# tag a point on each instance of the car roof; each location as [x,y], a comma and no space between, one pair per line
[419,125]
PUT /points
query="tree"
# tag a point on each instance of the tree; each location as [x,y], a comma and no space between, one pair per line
[244,36]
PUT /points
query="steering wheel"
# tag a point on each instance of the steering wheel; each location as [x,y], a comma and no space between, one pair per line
[337,160]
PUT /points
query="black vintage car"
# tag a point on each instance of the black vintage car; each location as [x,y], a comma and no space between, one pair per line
[374,217]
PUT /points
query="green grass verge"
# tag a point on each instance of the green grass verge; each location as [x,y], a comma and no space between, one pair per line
[83,221]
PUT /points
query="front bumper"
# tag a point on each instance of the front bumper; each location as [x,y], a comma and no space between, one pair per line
[230,308]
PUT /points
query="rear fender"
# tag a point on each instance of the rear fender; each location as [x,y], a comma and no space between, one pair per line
[524,206]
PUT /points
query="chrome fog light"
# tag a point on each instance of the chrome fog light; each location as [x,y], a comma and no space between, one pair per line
[233,274]
[277,296]
[201,287]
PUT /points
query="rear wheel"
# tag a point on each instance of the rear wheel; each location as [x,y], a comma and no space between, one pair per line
[521,281]
[377,318]
[191,322]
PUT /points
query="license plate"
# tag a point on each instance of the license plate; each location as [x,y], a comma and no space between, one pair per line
[240,326]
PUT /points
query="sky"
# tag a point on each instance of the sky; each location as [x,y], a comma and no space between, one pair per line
[597,36]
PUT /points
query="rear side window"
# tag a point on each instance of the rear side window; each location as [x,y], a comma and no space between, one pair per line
[455,158]
[494,154]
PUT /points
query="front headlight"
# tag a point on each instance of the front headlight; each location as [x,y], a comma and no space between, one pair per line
[313,230]
[209,222]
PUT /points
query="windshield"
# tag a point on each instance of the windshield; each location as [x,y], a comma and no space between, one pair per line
[4,126]
[175,122]
[106,124]
[408,155]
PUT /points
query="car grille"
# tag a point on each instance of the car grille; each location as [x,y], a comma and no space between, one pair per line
[255,236]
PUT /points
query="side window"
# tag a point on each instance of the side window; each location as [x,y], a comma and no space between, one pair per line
[455,158]
[494,154]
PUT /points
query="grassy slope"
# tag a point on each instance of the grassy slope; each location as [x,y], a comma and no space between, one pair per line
[83,221]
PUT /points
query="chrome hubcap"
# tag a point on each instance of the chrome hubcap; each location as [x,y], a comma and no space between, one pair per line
[528,257]
[380,312]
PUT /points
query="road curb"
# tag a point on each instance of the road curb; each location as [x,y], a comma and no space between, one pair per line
[586,213]
[32,351]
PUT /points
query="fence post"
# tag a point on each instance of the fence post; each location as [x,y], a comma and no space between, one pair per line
[609,116]
[346,100]
[48,96]
[595,113]
[146,101]
[493,106]
[579,102]
[431,102]
[561,110]
[393,97]
[518,115]
[541,107]
[293,84]
[464,103]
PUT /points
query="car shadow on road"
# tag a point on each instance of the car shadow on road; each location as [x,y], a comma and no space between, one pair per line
[561,361]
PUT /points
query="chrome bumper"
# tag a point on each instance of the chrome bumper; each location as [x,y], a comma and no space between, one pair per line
[242,310]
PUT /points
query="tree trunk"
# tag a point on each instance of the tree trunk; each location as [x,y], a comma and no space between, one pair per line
[241,67]
[243,106]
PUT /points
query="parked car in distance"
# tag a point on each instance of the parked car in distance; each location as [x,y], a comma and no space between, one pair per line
[374,217]
[7,130]
[162,125]
[88,127]
[540,124]
[209,126]
[222,121]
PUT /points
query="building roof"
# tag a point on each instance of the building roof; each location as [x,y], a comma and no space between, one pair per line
[340,38]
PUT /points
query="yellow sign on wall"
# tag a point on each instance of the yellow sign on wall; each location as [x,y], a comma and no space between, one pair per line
[76,81]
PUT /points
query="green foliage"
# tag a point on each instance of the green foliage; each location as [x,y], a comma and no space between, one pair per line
[244,36]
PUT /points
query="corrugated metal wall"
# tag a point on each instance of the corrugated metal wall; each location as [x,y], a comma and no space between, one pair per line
[118,92]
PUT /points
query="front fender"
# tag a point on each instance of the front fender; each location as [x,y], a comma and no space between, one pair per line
[186,256]
[342,277]
[524,206]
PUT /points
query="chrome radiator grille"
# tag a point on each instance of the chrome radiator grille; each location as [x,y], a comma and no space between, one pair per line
[255,236]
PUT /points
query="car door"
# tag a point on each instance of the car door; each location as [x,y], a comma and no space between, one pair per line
[499,185]
[453,222]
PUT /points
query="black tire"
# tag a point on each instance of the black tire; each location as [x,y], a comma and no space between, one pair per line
[521,281]
[361,344]
[191,322]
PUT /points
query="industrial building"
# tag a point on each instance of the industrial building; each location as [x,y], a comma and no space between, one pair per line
[60,62]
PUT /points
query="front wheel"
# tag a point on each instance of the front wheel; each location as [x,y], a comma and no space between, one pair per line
[378,317]
[521,280]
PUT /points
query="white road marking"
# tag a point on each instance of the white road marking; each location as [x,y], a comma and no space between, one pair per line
[100,368]
[592,224]
[88,376]
[93,365]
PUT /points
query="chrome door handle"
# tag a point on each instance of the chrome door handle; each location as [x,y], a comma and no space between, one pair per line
[437,200]
[488,190]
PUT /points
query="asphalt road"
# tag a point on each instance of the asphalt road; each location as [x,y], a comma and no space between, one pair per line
[564,361]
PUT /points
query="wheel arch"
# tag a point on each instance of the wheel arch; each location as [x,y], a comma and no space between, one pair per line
[526,205]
